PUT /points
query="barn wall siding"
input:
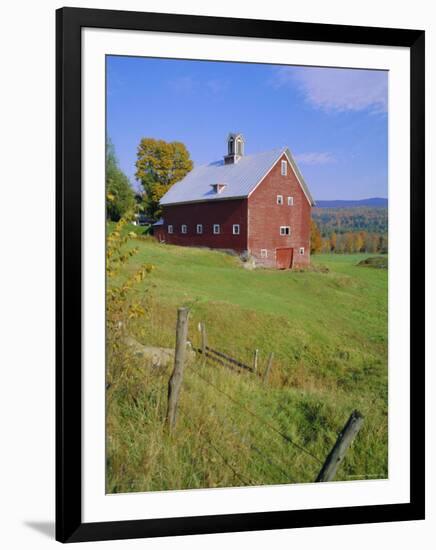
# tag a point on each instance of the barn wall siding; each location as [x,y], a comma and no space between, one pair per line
[266,217]
[224,212]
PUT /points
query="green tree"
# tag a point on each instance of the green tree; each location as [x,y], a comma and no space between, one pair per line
[315,238]
[160,165]
[120,198]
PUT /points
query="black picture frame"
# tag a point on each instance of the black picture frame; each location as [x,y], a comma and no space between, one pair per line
[69,525]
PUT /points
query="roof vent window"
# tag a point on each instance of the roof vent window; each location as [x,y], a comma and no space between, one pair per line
[218,187]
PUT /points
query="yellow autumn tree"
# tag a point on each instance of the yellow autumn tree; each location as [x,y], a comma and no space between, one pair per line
[349,242]
[315,238]
[333,239]
[358,242]
[159,165]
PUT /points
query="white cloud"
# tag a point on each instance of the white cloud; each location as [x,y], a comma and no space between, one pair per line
[337,90]
[315,158]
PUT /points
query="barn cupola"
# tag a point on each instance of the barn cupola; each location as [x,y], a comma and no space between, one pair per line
[235,148]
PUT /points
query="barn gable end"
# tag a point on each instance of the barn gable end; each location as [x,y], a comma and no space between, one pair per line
[269,217]
[297,173]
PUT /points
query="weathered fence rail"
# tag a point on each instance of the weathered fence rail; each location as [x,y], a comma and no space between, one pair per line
[210,352]
[208,355]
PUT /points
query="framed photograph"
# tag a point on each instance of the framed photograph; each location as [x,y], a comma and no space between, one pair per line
[240,275]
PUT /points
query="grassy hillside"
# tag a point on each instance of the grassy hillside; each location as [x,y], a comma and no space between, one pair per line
[328,332]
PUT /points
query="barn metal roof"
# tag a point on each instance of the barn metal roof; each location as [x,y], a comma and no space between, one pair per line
[240,179]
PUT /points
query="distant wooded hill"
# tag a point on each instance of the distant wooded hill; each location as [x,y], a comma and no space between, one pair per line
[375,202]
[351,229]
[353,218]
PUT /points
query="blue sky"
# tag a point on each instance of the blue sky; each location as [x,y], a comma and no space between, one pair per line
[334,120]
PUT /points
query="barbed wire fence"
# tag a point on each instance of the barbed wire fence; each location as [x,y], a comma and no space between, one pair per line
[245,440]
[211,356]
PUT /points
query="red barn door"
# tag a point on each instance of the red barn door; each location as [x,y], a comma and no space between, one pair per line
[284,257]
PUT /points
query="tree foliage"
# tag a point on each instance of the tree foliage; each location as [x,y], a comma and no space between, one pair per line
[119,194]
[315,238]
[343,220]
[354,229]
[160,165]
[123,302]
[333,240]
[355,241]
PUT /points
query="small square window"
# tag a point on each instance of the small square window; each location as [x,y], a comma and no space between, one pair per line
[236,229]
[279,199]
[199,228]
[290,201]
[216,229]
[170,229]
[285,230]
[184,229]
[284,168]
[301,250]
[264,253]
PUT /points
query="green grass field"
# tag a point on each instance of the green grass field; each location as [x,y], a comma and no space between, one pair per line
[328,332]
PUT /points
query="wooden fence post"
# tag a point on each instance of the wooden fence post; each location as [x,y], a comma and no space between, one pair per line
[268,367]
[203,341]
[336,455]
[255,360]
[176,378]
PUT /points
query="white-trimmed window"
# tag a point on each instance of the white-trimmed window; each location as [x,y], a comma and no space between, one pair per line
[284,168]
[236,229]
[184,229]
[199,228]
[290,201]
[279,199]
[263,253]
[301,250]
[170,229]
[216,229]
[285,230]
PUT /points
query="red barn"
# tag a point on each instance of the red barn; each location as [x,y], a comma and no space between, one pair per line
[256,204]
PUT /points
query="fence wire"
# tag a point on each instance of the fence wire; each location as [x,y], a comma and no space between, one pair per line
[239,476]
[286,437]
[253,447]
[278,465]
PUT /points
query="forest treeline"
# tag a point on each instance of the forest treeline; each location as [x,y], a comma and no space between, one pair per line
[350,230]
[342,220]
